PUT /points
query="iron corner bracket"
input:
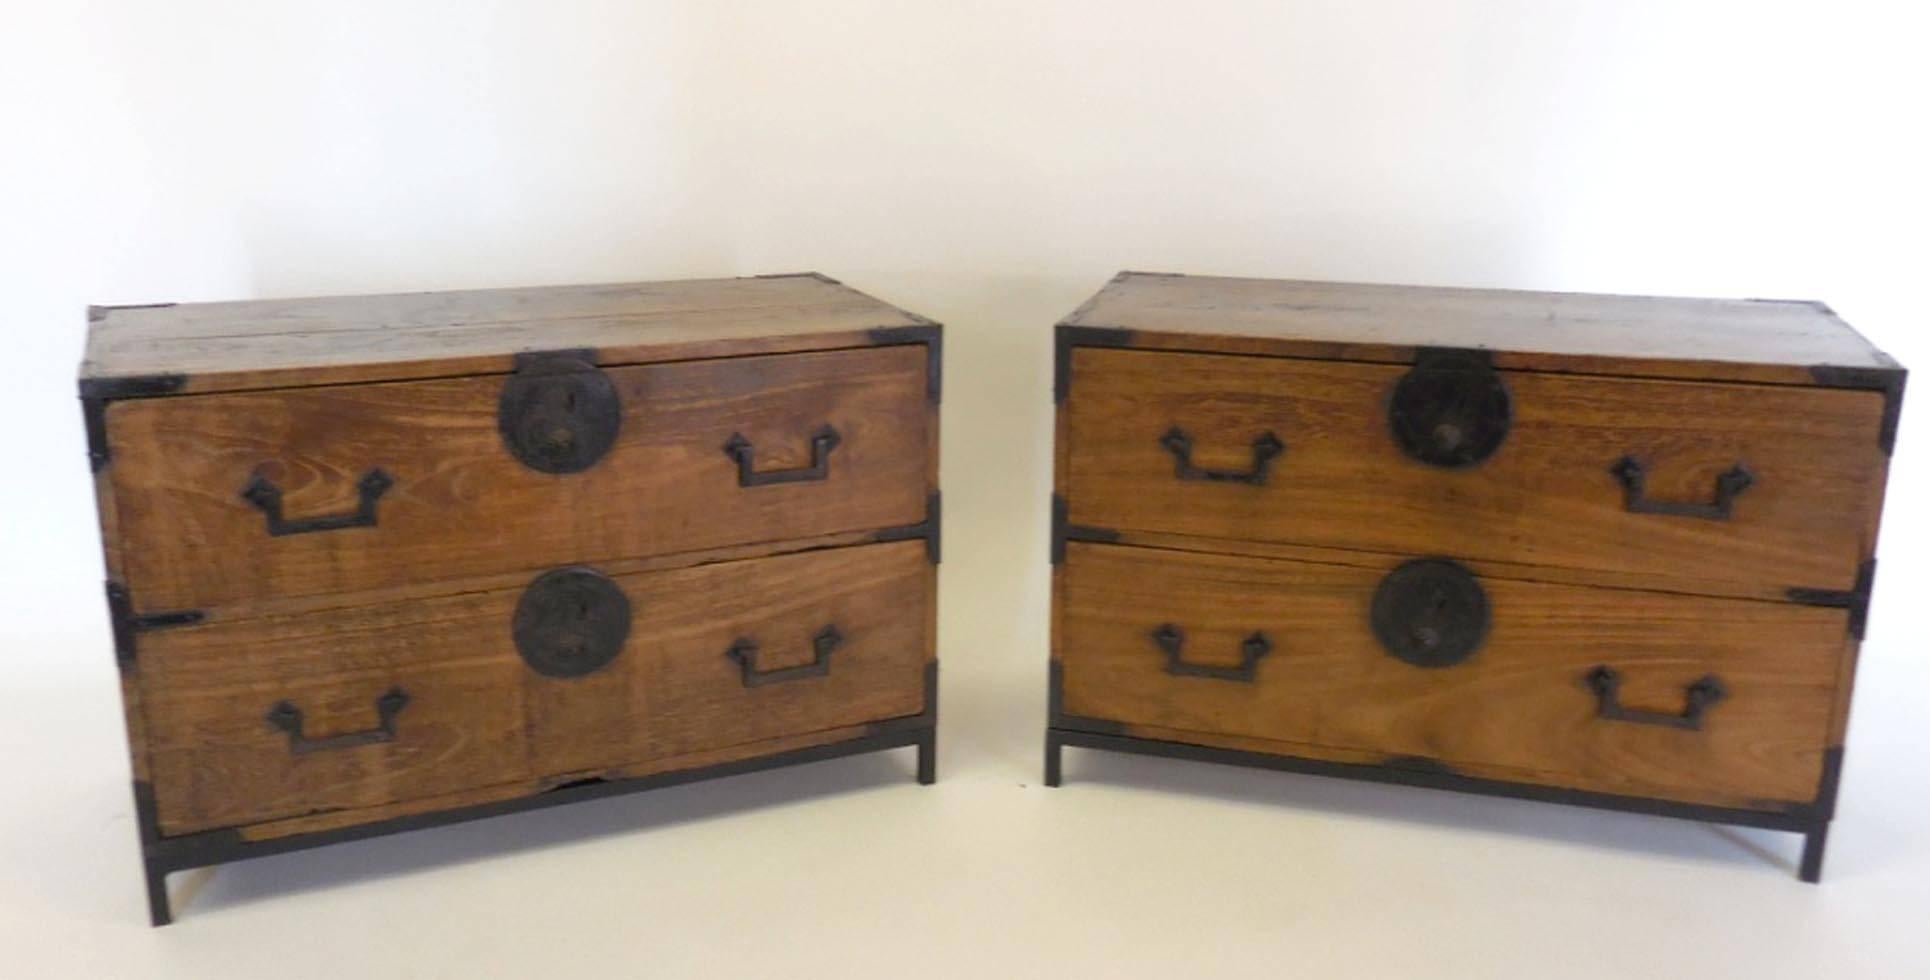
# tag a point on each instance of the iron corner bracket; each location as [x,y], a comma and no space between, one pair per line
[1887,380]
[1856,599]
[1063,530]
[96,393]
[927,530]
[1066,337]
[1058,719]
[927,332]
[126,624]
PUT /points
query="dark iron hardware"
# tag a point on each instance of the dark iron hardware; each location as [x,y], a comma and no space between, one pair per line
[1451,409]
[1729,485]
[571,622]
[822,442]
[1173,642]
[288,718]
[1430,613]
[558,413]
[1606,682]
[266,497]
[744,652]
[1266,446]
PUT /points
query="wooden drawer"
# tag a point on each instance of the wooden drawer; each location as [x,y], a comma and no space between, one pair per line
[472,712]
[452,502]
[1523,707]
[1550,495]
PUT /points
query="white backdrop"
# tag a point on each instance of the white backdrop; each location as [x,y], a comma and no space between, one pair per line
[987,164]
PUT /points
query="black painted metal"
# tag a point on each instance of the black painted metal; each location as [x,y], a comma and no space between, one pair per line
[1065,338]
[1698,698]
[571,622]
[1808,820]
[1172,642]
[1889,381]
[1430,612]
[96,393]
[1452,409]
[927,530]
[1856,600]
[166,854]
[744,653]
[286,717]
[929,333]
[126,623]
[558,413]
[1063,531]
[1266,447]
[740,449]
[266,497]
[1635,499]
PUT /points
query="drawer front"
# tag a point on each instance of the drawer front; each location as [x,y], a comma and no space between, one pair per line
[1754,486]
[236,497]
[1166,640]
[276,717]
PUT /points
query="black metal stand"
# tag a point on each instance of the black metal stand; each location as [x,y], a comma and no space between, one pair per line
[162,855]
[1810,820]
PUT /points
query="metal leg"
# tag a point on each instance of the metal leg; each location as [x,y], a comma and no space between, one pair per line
[928,757]
[1053,750]
[157,895]
[1813,844]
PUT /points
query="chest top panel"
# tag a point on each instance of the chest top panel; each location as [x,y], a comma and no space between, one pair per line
[339,340]
[1777,341]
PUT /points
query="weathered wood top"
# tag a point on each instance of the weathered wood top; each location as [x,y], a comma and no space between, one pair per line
[1720,339]
[335,340]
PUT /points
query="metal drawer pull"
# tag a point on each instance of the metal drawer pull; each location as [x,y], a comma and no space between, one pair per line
[744,651]
[266,497]
[1172,641]
[1606,682]
[822,442]
[1635,499]
[1266,446]
[288,718]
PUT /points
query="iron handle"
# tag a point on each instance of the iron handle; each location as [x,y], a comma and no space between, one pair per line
[1635,499]
[288,718]
[822,442]
[1698,697]
[265,496]
[744,652]
[1266,446]
[1172,641]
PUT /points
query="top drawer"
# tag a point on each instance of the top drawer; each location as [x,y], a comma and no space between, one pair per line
[227,498]
[1752,488]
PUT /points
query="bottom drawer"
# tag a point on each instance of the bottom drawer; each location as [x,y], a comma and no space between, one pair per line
[1578,687]
[268,718]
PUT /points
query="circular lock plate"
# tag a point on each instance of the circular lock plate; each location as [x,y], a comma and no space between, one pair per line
[571,622]
[1430,613]
[1450,411]
[558,414]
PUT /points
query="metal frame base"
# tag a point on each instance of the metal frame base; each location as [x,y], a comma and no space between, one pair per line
[1812,821]
[162,855]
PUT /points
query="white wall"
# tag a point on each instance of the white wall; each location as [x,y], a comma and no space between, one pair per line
[985,163]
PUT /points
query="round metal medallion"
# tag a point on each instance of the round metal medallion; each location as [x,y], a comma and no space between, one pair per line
[1450,410]
[558,414]
[571,622]
[1431,613]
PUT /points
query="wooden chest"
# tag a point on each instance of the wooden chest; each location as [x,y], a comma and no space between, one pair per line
[382,562]
[1614,551]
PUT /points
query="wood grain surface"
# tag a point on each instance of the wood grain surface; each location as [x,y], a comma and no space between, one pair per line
[344,339]
[462,506]
[1546,497]
[479,717]
[1741,340]
[1519,707]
